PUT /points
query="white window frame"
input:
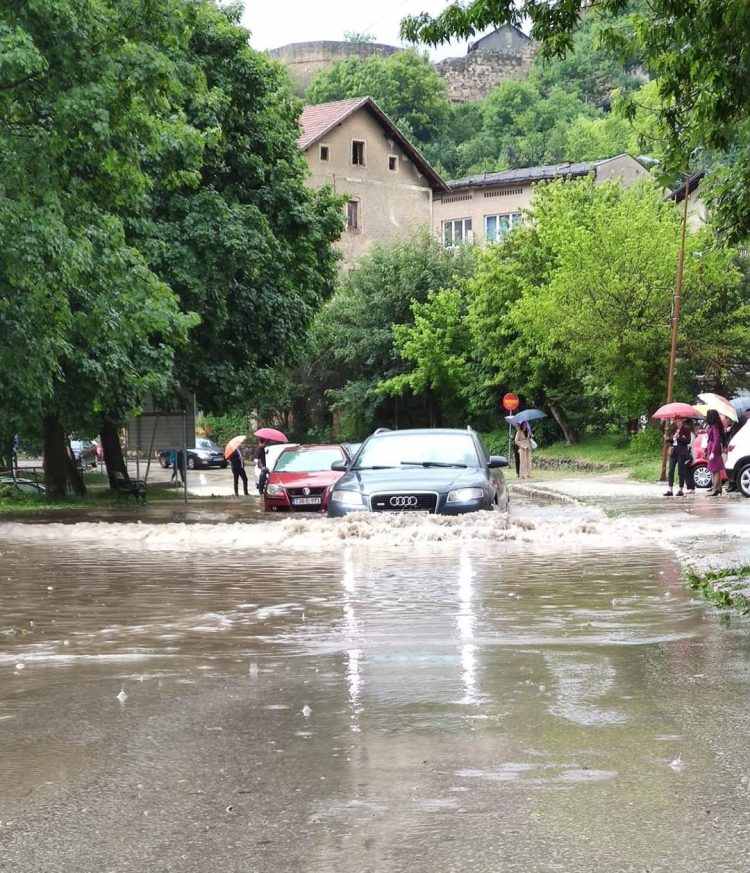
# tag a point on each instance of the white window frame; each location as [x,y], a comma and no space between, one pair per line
[514,219]
[324,145]
[467,233]
[364,152]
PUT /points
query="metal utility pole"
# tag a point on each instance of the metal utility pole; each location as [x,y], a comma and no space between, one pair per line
[676,317]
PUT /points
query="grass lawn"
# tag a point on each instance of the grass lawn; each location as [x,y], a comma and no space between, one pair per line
[98,494]
[612,450]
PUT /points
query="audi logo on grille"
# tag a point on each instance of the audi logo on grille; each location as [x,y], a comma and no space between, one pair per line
[403,501]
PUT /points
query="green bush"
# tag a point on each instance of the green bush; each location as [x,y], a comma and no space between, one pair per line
[646,443]
[221,428]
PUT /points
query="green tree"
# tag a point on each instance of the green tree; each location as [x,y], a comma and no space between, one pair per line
[87,97]
[695,49]
[352,337]
[573,311]
[405,85]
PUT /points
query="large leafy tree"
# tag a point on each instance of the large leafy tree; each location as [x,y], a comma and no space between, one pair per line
[695,49]
[245,244]
[573,311]
[149,171]
[352,343]
[405,85]
[86,97]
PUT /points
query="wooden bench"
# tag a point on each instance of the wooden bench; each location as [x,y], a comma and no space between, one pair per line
[130,487]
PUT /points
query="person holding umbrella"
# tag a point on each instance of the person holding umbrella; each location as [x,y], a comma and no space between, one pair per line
[233,453]
[679,438]
[524,443]
[265,436]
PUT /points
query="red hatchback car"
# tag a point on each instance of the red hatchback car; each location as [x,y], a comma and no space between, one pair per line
[301,479]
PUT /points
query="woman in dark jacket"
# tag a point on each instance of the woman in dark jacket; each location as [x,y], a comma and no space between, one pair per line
[238,471]
[680,435]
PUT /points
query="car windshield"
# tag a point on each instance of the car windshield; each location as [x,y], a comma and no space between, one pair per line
[206,444]
[307,461]
[419,449]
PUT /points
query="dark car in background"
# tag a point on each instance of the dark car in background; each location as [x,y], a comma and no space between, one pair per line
[302,478]
[444,471]
[205,454]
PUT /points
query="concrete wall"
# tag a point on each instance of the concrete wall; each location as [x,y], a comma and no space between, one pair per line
[304,60]
[391,205]
[623,168]
[474,76]
[477,203]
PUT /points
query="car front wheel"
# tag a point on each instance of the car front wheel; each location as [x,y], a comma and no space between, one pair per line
[743,480]
[191,463]
[702,476]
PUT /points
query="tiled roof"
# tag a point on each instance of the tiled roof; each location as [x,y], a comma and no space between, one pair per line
[316,121]
[525,174]
[530,174]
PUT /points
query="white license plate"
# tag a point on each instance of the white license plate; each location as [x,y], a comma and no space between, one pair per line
[306,501]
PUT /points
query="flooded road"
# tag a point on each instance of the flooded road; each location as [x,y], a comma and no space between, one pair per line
[406,695]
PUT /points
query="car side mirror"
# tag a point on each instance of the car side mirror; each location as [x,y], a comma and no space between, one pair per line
[339,466]
[497,461]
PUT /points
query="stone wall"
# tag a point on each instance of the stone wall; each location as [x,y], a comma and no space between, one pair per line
[473,77]
[304,60]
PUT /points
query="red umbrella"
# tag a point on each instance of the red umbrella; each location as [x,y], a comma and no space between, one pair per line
[676,410]
[271,434]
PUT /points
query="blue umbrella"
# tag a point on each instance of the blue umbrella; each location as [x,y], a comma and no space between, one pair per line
[526,415]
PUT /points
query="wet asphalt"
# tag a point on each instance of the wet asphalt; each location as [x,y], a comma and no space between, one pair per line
[374,704]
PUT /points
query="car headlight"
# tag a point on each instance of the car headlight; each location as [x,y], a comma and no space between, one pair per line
[465,495]
[347,498]
[275,490]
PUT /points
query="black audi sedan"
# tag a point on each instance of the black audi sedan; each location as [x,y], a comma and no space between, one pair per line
[443,471]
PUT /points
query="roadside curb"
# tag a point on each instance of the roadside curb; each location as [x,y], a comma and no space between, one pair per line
[725,588]
[541,493]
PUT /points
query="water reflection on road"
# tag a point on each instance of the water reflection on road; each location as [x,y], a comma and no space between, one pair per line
[372,707]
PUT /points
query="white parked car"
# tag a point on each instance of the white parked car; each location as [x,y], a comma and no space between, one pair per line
[738,460]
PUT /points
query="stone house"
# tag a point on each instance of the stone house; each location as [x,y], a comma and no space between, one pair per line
[697,213]
[355,148]
[506,53]
[483,208]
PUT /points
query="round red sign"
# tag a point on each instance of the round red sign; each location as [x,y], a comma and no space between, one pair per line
[511,402]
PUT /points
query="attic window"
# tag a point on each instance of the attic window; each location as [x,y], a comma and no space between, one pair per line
[358,153]
[324,152]
[393,163]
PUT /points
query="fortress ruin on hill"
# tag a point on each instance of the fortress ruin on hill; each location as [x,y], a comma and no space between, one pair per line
[506,53]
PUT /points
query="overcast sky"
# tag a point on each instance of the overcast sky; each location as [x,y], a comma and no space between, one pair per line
[275,23]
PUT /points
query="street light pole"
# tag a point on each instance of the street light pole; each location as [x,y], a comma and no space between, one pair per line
[676,318]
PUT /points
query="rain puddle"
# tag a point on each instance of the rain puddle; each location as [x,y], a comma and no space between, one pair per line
[532,693]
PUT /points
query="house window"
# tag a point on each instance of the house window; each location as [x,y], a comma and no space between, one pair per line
[457,232]
[497,226]
[352,216]
[324,152]
[393,163]
[358,153]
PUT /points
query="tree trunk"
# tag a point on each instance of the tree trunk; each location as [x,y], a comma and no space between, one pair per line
[112,450]
[75,474]
[55,458]
[571,437]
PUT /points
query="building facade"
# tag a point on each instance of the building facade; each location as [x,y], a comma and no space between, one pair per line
[389,187]
[484,208]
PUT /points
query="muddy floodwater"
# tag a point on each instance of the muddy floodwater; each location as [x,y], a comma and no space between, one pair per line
[356,697]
